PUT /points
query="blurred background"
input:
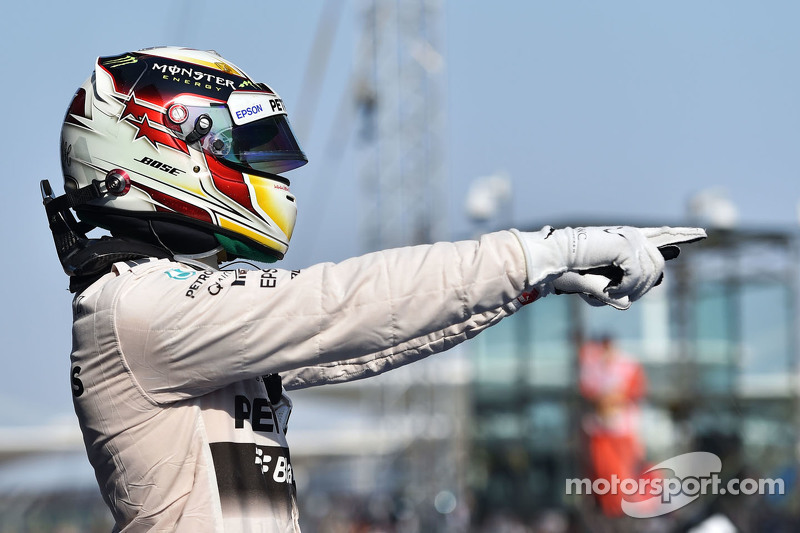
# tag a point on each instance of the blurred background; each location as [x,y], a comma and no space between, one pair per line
[430,120]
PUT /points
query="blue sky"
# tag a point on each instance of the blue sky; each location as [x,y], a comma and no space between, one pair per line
[613,110]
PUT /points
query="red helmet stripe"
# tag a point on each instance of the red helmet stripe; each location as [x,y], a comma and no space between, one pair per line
[77,107]
[231,183]
[176,204]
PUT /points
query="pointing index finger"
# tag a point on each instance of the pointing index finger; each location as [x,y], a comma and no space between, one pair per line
[669,236]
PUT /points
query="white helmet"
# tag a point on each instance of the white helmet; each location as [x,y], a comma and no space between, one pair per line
[184,150]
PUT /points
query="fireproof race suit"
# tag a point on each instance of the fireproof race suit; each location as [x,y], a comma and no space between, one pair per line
[170,365]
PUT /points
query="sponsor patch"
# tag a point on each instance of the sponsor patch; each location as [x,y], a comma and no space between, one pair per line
[246,106]
[179,273]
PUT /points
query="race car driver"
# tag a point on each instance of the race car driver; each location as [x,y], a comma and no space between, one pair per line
[178,368]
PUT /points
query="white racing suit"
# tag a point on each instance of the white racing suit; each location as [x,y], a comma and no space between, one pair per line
[168,364]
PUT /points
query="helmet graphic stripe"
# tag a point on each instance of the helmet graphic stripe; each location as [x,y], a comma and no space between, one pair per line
[170,203]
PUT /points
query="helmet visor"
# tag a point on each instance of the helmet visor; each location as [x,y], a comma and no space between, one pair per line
[252,144]
[266,145]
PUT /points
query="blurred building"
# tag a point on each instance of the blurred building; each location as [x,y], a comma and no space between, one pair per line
[718,340]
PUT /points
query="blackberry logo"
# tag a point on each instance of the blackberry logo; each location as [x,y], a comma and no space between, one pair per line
[282,470]
[262,460]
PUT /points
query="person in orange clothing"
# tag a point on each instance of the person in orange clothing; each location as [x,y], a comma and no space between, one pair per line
[614,384]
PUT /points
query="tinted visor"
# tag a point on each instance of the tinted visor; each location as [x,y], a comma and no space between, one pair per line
[267,145]
[264,145]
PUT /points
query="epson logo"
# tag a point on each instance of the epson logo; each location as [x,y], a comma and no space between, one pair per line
[275,104]
[252,110]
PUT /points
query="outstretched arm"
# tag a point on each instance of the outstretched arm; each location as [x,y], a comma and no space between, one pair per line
[360,317]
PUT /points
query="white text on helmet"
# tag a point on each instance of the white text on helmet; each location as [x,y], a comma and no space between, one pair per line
[196,75]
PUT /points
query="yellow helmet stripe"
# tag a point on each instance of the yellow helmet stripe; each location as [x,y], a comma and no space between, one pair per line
[249,233]
[263,192]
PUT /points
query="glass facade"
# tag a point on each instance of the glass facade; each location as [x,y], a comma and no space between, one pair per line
[717,344]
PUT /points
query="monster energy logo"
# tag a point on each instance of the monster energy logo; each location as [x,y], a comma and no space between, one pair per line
[185,75]
[124,60]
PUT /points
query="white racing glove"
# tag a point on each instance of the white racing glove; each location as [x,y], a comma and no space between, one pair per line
[605,265]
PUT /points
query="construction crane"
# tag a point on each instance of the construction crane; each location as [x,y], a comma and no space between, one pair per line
[399,96]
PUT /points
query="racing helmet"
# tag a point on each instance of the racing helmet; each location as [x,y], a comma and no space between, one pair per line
[186,151]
